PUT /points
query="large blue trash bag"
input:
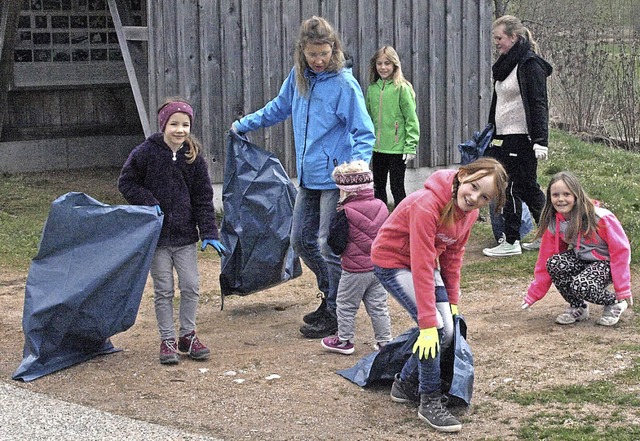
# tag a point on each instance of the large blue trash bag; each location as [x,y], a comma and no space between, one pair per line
[457,371]
[474,148]
[258,199]
[86,282]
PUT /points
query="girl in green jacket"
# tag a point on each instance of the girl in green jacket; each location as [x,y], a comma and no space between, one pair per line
[391,102]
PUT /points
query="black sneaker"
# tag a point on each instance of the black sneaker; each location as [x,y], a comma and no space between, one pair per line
[312,317]
[436,415]
[404,391]
[325,325]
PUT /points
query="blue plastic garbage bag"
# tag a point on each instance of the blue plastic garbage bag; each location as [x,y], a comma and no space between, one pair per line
[475,147]
[258,199]
[461,375]
[457,371]
[86,282]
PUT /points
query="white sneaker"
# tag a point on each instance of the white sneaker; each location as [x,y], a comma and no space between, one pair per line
[572,315]
[532,246]
[503,249]
[611,313]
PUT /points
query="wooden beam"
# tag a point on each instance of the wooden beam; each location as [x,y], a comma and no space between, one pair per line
[129,65]
[136,33]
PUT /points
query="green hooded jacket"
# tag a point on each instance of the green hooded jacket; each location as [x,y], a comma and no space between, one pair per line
[393,112]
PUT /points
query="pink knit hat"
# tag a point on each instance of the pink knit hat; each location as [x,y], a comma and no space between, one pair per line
[353,177]
[177,106]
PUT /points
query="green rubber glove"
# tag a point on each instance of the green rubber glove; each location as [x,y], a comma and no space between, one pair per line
[454,309]
[428,343]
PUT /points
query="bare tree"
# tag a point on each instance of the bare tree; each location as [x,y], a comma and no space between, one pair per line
[500,7]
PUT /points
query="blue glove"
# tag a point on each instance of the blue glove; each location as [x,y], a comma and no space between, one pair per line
[221,249]
[159,210]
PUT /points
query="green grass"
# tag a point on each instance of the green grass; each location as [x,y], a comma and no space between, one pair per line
[564,416]
[609,175]
[25,200]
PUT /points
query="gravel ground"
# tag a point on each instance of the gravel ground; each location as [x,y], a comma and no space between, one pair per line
[26,415]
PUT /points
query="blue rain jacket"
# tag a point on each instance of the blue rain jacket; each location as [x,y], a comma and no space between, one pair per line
[331,124]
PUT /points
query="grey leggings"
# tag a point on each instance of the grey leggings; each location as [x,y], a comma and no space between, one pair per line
[580,281]
[185,261]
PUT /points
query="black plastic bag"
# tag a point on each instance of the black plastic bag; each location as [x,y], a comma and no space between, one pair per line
[456,364]
[86,282]
[258,199]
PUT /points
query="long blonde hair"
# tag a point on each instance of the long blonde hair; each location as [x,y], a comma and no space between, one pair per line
[194,147]
[583,219]
[316,30]
[473,171]
[513,26]
[392,56]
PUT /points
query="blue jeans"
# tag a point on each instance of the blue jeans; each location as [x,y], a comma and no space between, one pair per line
[312,214]
[399,283]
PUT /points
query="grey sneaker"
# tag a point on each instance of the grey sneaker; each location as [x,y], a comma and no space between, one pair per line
[611,313]
[404,391]
[572,315]
[503,249]
[532,246]
[436,415]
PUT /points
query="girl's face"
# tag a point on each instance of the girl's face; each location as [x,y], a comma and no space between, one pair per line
[385,67]
[318,56]
[475,194]
[562,199]
[503,42]
[177,130]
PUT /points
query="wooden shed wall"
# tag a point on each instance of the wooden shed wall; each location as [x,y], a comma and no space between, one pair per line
[229,57]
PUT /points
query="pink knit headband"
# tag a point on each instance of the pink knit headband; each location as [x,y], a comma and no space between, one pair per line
[170,109]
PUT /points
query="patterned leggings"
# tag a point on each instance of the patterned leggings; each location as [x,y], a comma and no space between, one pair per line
[580,280]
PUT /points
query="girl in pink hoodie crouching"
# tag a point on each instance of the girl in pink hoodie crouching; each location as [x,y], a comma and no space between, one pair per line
[583,250]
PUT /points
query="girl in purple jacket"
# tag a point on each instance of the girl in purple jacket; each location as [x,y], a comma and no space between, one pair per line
[167,171]
[583,250]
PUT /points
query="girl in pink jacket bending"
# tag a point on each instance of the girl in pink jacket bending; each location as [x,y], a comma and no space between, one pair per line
[584,249]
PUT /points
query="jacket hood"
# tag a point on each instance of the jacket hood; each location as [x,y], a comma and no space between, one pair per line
[158,138]
[440,185]
[535,58]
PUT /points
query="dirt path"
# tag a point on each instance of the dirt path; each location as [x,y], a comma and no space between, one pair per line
[235,395]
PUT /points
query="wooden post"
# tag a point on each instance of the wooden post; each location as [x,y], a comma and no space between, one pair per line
[139,34]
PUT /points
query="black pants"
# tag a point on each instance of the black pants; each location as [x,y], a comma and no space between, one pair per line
[519,160]
[384,164]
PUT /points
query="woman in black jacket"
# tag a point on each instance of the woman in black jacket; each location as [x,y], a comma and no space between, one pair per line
[520,114]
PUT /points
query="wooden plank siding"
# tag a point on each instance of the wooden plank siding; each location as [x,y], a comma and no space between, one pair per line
[230,57]
[81,111]
[9,10]
[245,51]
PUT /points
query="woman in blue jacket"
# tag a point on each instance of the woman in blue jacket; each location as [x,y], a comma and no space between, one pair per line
[331,126]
